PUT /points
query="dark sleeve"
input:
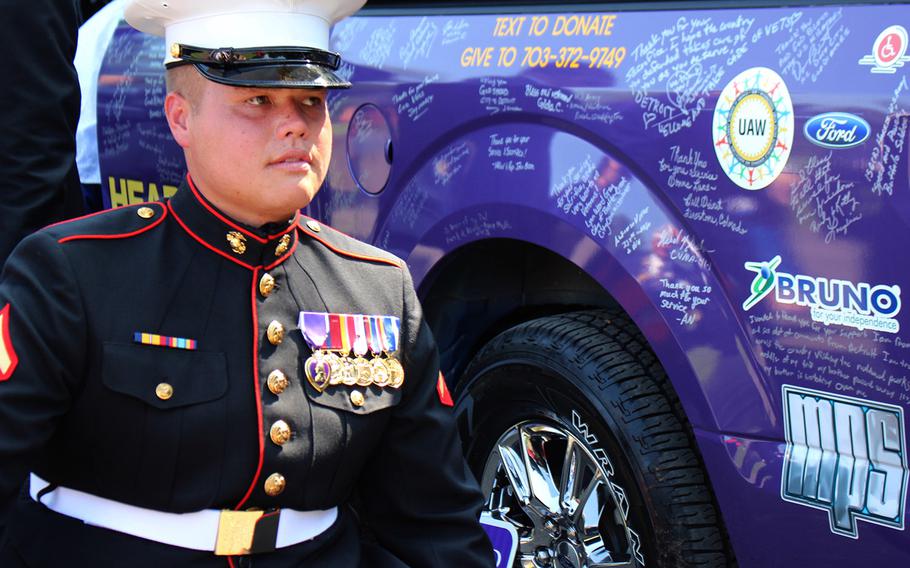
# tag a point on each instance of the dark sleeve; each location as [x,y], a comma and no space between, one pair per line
[417,495]
[42,351]
[39,98]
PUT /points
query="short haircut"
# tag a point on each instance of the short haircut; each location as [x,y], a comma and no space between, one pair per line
[185,80]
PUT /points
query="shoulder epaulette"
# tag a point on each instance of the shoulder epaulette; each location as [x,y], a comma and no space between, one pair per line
[342,244]
[120,223]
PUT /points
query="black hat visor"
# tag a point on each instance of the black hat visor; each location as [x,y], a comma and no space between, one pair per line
[274,67]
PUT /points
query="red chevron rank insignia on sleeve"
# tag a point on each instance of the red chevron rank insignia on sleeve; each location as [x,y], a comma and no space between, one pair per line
[443,391]
[8,358]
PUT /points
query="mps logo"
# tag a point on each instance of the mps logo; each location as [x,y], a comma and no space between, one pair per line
[846,456]
[837,130]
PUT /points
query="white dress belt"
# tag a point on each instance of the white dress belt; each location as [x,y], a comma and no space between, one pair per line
[198,530]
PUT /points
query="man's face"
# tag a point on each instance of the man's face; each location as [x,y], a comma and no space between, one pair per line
[258,154]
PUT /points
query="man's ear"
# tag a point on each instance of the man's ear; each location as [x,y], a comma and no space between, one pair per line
[179,112]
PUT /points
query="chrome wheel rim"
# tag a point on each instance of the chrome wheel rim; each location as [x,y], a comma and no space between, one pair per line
[560,498]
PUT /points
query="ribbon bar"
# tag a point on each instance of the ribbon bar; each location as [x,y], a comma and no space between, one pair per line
[350,332]
[164,341]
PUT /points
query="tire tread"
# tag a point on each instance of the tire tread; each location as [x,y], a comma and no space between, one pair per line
[619,364]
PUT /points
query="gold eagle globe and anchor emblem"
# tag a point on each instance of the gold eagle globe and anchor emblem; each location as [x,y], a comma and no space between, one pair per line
[283,244]
[237,242]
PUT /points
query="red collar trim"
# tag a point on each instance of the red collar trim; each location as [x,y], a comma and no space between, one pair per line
[202,241]
[217,214]
[285,256]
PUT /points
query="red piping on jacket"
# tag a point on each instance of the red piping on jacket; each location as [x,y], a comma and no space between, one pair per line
[8,345]
[282,258]
[227,221]
[258,392]
[351,254]
[443,391]
[328,227]
[86,216]
[157,222]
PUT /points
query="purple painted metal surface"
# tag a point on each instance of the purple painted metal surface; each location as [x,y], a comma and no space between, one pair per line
[666,154]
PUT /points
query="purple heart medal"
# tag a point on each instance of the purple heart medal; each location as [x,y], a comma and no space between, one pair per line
[318,368]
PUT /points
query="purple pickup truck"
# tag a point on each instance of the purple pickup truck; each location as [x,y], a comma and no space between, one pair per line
[659,245]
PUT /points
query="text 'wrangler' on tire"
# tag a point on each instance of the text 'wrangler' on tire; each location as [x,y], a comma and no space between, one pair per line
[579,442]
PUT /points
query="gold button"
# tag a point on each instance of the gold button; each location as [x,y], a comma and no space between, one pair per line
[266,284]
[275,333]
[313,225]
[145,212]
[277,382]
[283,244]
[280,432]
[274,484]
[164,391]
[357,398]
[175,50]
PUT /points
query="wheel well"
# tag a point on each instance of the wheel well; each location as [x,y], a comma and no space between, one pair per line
[486,287]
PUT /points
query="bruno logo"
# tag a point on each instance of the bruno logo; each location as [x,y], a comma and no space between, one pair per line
[845,456]
[831,301]
[837,130]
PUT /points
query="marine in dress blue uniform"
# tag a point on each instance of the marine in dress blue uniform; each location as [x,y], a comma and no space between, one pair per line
[183,389]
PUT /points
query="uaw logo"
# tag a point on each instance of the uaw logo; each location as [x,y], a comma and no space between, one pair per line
[889,52]
[753,128]
[846,456]
[837,130]
[831,301]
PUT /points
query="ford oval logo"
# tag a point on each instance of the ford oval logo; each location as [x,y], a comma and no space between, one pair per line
[837,130]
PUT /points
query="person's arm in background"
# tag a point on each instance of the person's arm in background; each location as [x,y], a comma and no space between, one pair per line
[94,38]
[39,109]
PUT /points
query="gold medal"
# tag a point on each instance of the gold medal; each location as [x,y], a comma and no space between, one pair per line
[363,371]
[380,372]
[396,372]
[334,362]
[348,372]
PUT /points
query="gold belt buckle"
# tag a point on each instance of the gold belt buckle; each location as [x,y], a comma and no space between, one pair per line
[235,532]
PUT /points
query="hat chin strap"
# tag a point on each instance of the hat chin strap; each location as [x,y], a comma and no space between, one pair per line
[250,29]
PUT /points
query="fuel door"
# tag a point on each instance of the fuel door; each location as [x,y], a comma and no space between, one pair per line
[369,148]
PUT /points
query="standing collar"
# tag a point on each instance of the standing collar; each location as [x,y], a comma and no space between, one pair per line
[233,240]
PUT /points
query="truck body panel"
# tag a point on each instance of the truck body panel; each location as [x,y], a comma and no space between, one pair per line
[736,180]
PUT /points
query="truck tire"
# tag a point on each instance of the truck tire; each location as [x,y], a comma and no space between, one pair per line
[579,442]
